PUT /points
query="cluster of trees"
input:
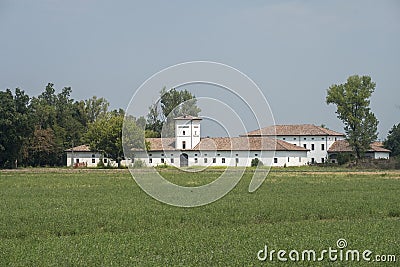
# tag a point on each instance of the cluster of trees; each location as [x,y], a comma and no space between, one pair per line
[35,131]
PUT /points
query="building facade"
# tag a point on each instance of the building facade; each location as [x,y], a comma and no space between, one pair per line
[317,140]
[188,149]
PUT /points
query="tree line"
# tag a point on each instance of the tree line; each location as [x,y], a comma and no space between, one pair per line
[35,131]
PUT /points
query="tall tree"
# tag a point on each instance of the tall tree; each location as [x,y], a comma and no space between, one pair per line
[173,103]
[393,140]
[105,135]
[96,107]
[352,100]
[15,126]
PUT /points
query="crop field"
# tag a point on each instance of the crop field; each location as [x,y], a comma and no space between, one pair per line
[62,217]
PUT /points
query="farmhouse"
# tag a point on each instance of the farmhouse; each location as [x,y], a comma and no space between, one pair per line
[188,149]
[83,156]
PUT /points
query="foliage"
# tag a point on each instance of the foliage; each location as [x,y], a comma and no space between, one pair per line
[256,162]
[352,101]
[102,218]
[173,103]
[393,140]
[343,158]
[105,135]
[138,163]
[36,131]
[15,126]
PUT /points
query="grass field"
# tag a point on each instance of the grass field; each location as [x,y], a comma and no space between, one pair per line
[101,217]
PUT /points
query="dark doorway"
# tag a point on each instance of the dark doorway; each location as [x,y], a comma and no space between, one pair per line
[184,160]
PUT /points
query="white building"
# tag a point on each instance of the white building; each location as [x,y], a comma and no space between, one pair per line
[83,156]
[188,149]
[316,139]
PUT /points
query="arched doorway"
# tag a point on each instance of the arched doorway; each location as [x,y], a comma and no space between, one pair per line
[184,160]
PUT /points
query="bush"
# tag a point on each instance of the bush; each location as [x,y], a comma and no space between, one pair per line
[256,162]
[344,158]
[100,164]
[138,163]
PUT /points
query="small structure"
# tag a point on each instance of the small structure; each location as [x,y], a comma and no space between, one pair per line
[83,156]
[376,150]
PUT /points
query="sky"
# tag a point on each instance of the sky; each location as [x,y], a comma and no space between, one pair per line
[293,50]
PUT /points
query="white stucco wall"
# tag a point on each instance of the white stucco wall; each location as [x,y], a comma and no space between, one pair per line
[318,152]
[91,159]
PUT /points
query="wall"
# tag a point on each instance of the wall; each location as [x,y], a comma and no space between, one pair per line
[318,154]
[234,158]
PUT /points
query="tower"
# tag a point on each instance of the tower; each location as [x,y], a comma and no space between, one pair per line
[187,132]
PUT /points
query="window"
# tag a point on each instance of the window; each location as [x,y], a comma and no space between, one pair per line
[322,146]
[184,133]
[162,161]
[323,138]
[305,146]
[195,132]
[183,144]
[284,138]
[172,160]
[299,159]
[214,160]
[196,160]
[322,160]
[288,159]
[205,155]
[237,160]
[93,155]
[255,155]
[294,138]
[335,138]
[312,138]
[205,160]
[275,160]
[218,155]
[105,160]
[150,160]
[172,155]
[162,155]
[312,146]
[195,155]
[312,160]
[223,160]
[237,155]
[77,160]
[150,155]
[305,138]
[93,161]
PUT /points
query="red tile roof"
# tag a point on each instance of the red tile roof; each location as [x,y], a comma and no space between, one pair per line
[293,130]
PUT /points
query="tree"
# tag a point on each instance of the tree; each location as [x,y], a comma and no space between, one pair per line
[352,102]
[173,103]
[96,108]
[393,140]
[15,126]
[105,135]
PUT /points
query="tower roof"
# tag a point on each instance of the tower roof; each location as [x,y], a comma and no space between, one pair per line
[188,117]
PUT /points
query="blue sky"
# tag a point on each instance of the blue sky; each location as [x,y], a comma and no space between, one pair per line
[294,50]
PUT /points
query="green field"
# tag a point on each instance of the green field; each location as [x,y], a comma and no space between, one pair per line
[101,217]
